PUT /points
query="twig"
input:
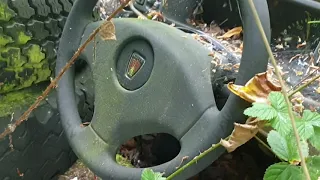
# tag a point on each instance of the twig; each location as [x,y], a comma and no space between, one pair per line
[25,115]
[266,146]
[305,78]
[274,63]
[304,85]
[195,159]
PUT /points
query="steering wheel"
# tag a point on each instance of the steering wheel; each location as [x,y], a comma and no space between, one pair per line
[151,79]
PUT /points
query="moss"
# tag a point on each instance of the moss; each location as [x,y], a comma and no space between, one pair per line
[15,100]
[123,161]
[35,55]
[5,12]
[23,38]
[4,40]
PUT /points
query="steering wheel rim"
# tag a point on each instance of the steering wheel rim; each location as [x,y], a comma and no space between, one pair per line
[89,143]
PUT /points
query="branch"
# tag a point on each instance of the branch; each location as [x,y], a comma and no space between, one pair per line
[274,63]
[11,127]
[195,160]
[304,85]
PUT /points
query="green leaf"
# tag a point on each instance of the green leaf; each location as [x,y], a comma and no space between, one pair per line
[293,150]
[148,174]
[305,129]
[277,100]
[313,164]
[282,121]
[283,171]
[315,139]
[313,118]
[286,147]
[278,145]
[261,111]
[306,123]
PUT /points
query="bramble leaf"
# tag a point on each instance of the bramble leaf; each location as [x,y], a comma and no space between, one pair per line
[277,101]
[148,174]
[283,171]
[306,124]
[313,118]
[315,139]
[261,111]
[278,145]
[313,164]
[286,147]
[282,121]
[294,157]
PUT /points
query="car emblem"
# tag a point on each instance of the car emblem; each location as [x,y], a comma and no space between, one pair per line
[135,64]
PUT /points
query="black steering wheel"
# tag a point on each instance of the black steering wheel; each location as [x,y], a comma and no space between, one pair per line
[152,79]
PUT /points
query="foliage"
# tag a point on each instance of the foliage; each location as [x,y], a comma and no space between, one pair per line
[148,174]
[281,139]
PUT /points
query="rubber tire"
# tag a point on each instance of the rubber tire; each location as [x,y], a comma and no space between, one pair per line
[29,36]
[40,149]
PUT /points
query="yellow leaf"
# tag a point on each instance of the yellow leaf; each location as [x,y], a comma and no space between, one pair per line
[242,133]
[107,31]
[256,89]
[232,32]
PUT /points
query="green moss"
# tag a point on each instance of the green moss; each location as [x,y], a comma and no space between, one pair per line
[43,74]
[35,55]
[15,100]
[23,38]
[4,40]
[5,12]
[123,161]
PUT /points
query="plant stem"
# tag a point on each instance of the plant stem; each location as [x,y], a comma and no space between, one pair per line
[313,22]
[266,146]
[11,127]
[195,159]
[304,85]
[274,63]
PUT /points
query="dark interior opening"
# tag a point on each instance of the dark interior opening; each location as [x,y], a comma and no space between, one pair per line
[150,149]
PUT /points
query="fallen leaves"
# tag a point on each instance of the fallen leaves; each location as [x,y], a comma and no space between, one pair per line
[242,133]
[107,31]
[256,89]
[233,32]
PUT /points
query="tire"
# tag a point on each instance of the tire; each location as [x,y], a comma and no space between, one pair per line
[29,35]
[38,148]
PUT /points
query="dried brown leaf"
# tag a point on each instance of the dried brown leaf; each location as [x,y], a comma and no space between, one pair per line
[256,89]
[232,32]
[242,133]
[107,31]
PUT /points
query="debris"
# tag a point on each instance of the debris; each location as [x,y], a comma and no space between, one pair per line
[242,133]
[256,89]
[233,32]
[107,31]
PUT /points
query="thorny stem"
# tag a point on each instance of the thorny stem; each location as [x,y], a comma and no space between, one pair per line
[274,63]
[195,160]
[11,127]
[304,86]
[266,146]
